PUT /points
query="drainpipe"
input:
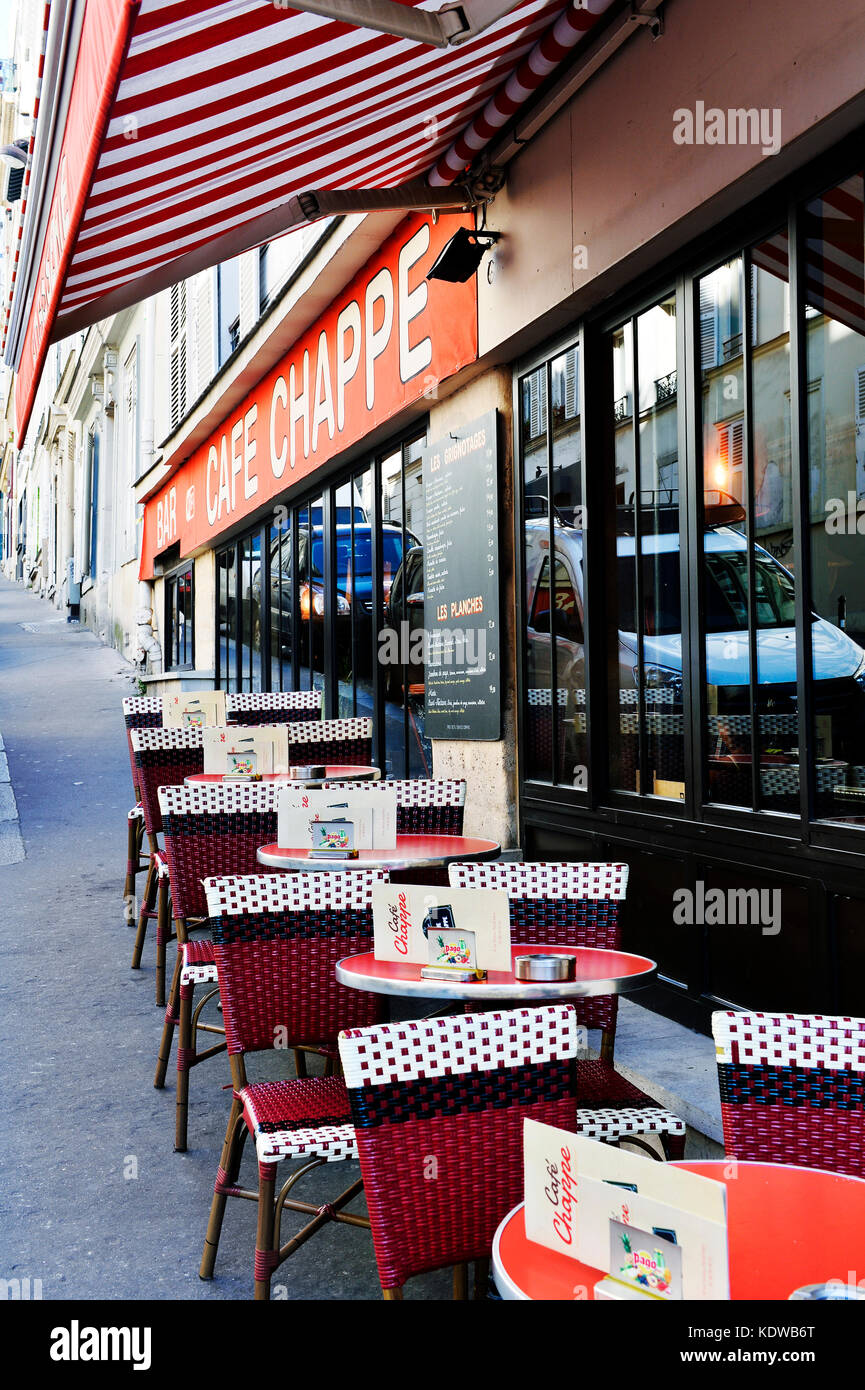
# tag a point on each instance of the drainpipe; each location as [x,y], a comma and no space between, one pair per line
[150,651]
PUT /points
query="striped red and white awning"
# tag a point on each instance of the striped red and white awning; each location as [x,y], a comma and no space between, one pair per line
[833,260]
[195,129]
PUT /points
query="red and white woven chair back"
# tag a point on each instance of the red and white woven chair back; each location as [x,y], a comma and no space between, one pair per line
[560,904]
[793,1088]
[425,805]
[163,758]
[331,741]
[140,712]
[276,941]
[211,829]
[438,1107]
[273,706]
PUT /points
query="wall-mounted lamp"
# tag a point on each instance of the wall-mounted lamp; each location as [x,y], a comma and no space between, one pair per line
[460,258]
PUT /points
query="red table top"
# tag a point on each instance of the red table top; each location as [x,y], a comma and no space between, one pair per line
[412,851]
[336,772]
[597,972]
[786,1227]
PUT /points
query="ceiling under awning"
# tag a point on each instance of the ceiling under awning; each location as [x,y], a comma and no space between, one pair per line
[178,133]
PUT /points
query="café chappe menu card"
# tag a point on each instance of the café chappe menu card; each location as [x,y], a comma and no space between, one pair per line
[655,1229]
[400,910]
[185,710]
[373,819]
[246,751]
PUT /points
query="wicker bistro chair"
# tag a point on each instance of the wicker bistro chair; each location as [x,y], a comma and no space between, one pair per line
[331,741]
[578,905]
[273,706]
[793,1089]
[163,757]
[454,1091]
[276,941]
[139,712]
[207,830]
[424,805]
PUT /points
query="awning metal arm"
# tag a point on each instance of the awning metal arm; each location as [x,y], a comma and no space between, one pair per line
[451,25]
[416,195]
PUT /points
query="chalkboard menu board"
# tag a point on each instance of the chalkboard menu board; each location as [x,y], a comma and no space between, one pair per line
[461,583]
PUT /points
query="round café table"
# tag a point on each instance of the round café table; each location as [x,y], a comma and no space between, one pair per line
[786,1227]
[597,972]
[336,772]
[411,852]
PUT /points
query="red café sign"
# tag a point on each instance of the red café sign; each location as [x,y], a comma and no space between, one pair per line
[388,339]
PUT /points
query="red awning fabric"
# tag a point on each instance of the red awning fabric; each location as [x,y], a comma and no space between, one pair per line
[834,254]
[192,124]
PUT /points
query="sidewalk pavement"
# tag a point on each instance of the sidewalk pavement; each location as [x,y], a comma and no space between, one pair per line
[93,1200]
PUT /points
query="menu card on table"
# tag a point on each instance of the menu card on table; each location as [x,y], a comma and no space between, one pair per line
[373,818]
[401,910]
[657,1230]
[205,709]
[246,751]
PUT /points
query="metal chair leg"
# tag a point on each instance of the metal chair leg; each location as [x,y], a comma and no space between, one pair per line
[132,856]
[674,1146]
[266,1255]
[226,1176]
[184,1050]
[172,1018]
[146,912]
[163,936]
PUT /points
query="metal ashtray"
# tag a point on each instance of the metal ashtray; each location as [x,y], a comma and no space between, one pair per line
[832,1290]
[545,968]
[309,773]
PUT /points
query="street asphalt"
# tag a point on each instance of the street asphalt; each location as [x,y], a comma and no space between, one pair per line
[94,1203]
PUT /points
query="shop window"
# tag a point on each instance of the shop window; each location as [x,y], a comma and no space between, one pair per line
[766,580]
[308,603]
[179,651]
[833,232]
[227,619]
[554,707]
[646,746]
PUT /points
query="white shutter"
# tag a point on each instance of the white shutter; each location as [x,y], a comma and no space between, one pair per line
[205,321]
[248,291]
[731,444]
[708,323]
[177,330]
[859,396]
[538,398]
[571,385]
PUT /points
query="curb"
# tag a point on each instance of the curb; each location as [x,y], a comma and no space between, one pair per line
[11,843]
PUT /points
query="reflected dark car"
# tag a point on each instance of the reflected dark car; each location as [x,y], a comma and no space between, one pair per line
[405,603]
[354,581]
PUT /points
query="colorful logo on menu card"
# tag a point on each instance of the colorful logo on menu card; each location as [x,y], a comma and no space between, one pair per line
[456,950]
[240,764]
[193,718]
[645,1260]
[332,834]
